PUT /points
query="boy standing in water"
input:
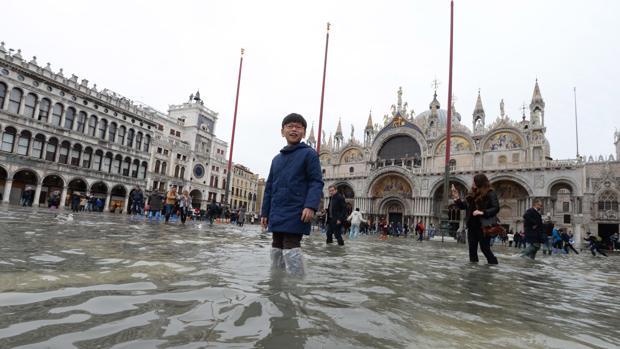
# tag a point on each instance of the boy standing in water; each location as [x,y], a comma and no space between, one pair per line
[292,196]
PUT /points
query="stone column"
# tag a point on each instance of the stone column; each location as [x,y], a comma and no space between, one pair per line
[7,191]
[36,112]
[37,195]
[63,197]
[108,198]
[126,203]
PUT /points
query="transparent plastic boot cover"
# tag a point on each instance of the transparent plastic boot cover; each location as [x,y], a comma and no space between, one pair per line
[293,259]
[277,260]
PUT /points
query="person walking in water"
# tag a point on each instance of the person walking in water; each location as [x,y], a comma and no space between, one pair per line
[534,233]
[595,244]
[185,205]
[171,201]
[356,219]
[156,201]
[481,205]
[336,214]
[292,196]
[567,243]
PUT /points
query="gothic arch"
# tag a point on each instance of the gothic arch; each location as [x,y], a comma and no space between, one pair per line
[38,176]
[439,184]
[466,136]
[349,150]
[558,182]
[514,178]
[343,184]
[381,205]
[511,130]
[384,137]
[371,179]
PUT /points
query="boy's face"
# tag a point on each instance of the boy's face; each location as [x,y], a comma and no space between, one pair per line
[294,132]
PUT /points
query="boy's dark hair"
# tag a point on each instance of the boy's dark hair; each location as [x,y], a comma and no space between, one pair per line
[293,117]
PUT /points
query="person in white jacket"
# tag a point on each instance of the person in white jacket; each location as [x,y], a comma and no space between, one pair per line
[356,219]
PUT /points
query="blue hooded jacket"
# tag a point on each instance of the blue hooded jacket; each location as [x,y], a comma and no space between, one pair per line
[295,182]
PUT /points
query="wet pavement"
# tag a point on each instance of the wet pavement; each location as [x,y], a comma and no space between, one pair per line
[108,281]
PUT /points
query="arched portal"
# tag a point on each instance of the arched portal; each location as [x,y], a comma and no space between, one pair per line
[561,204]
[51,190]
[196,196]
[513,199]
[22,190]
[117,197]
[4,175]
[77,187]
[394,211]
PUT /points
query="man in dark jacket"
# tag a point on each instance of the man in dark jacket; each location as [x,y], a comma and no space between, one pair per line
[533,225]
[336,214]
[212,211]
[292,195]
[156,200]
[137,203]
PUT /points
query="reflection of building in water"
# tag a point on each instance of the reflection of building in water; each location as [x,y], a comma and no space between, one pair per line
[396,172]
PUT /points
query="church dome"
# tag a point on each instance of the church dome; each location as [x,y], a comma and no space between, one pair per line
[442,115]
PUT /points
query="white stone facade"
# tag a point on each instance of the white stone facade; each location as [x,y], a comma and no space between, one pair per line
[397,171]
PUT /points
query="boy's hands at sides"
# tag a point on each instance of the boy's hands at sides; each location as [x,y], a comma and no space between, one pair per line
[307,214]
[264,222]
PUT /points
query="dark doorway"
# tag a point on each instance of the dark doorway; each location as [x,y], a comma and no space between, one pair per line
[396,217]
[605,231]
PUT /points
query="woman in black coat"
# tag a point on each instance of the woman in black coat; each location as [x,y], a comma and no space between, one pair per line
[481,207]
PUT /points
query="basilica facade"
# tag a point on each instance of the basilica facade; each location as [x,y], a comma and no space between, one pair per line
[396,172]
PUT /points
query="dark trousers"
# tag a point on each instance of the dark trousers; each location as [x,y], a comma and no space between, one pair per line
[568,245]
[334,229]
[286,241]
[475,238]
[183,215]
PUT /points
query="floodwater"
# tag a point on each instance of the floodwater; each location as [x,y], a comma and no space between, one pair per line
[107,281]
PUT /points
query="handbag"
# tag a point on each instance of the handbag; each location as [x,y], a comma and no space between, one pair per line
[491,227]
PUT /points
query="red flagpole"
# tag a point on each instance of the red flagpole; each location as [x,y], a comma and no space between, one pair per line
[449,121]
[446,181]
[232,138]
[318,143]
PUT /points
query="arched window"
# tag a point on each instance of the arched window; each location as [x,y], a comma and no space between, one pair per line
[56,114]
[351,169]
[130,135]
[8,139]
[29,105]
[69,118]
[125,168]
[157,165]
[97,160]
[116,164]
[44,109]
[112,132]
[15,100]
[163,168]
[147,143]
[50,152]
[37,146]
[176,170]
[182,172]
[452,164]
[103,126]
[139,141]
[2,94]
[63,154]
[76,154]
[92,125]
[23,143]
[88,153]
[608,201]
[121,135]
[142,171]
[81,121]
[107,163]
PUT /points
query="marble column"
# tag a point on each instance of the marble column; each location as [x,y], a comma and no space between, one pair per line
[126,204]
[108,198]
[63,197]
[37,195]
[7,191]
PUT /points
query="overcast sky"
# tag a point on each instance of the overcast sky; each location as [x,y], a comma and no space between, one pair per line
[158,52]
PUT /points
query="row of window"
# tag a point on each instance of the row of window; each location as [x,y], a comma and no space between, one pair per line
[162,166]
[73,120]
[64,153]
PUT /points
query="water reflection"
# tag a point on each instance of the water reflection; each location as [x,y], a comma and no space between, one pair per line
[113,282]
